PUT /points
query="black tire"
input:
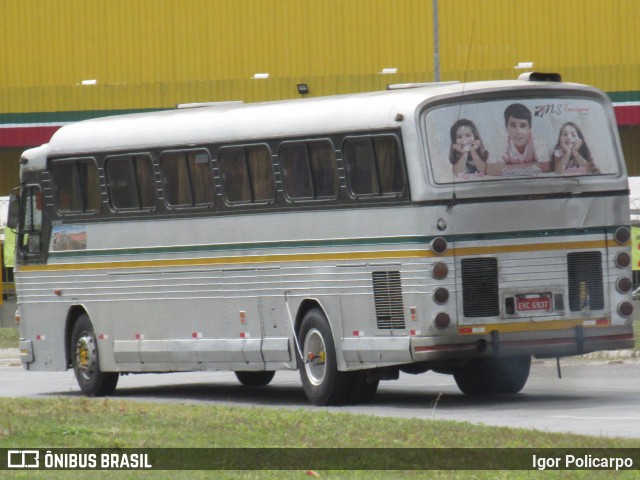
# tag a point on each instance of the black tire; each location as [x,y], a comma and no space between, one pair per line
[363,389]
[255,379]
[322,382]
[85,360]
[494,376]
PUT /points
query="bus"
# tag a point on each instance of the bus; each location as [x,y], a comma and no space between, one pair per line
[461,228]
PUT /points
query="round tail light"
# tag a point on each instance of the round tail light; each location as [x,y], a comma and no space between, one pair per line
[441,295]
[622,235]
[439,245]
[625,309]
[623,260]
[624,284]
[440,271]
[442,320]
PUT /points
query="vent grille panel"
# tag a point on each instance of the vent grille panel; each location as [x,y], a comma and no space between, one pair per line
[480,293]
[387,293]
[584,270]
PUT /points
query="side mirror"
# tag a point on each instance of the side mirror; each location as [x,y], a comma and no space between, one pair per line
[13,217]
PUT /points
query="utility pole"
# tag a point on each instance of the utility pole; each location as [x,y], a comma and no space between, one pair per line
[436,43]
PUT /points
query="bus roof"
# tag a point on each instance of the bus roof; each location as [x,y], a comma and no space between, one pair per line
[239,122]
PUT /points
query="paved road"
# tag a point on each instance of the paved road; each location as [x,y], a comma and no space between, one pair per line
[600,398]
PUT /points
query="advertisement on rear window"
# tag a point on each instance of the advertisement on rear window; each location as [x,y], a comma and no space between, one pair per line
[541,137]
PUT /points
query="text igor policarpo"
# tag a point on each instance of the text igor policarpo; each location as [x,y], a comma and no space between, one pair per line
[585,462]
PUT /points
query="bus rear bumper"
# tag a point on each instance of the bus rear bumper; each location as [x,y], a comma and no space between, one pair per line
[541,344]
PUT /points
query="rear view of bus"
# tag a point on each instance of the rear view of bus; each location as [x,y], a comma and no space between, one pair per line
[459,228]
[534,243]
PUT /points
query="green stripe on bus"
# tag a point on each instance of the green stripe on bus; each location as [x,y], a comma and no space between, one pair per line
[356,242]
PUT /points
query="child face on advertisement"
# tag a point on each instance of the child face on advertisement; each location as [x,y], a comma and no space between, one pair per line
[465,137]
[569,137]
[519,132]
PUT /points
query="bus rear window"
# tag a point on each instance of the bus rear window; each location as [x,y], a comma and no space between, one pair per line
[520,137]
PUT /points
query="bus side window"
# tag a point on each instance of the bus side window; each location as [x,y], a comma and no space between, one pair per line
[374,165]
[296,171]
[361,166]
[146,182]
[247,174]
[323,167]
[76,185]
[389,161]
[309,170]
[187,178]
[63,180]
[261,171]
[201,176]
[130,182]
[235,176]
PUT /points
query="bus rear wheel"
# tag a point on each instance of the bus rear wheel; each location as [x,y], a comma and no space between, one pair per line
[488,376]
[323,383]
[255,379]
[85,359]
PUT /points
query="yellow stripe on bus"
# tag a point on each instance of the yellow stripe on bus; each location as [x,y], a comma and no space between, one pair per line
[315,257]
[534,247]
[233,260]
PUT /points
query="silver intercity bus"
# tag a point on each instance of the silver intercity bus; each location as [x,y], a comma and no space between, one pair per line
[459,228]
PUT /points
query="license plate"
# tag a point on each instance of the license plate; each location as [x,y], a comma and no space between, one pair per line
[533,303]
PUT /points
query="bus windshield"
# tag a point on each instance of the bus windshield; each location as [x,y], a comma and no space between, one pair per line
[537,137]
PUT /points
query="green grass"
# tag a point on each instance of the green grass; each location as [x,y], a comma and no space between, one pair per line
[9,338]
[110,423]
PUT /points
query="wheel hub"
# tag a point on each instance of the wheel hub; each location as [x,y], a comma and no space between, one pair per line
[85,356]
[315,363]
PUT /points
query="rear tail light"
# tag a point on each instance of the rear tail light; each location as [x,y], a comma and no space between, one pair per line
[623,260]
[624,285]
[625,309]
[441,296]
[442,320]
[622,235]
[440,271]
[439,245]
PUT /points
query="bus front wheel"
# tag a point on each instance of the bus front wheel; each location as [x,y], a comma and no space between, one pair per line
[493,376]
[86,362]
[323,383]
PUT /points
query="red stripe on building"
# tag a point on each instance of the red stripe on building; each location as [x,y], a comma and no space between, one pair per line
[26,136]
[627,115]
